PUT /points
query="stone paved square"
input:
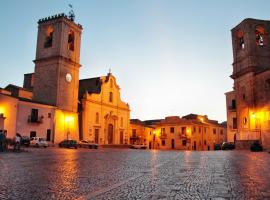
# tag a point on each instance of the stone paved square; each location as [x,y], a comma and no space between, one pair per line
[55,173]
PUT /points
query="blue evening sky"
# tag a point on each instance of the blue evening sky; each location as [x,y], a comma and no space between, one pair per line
[170,57]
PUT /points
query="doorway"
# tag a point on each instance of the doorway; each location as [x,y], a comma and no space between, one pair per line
[48,135]
[172,143]
[121,137]
[194,145]
[96,135]
[110,134]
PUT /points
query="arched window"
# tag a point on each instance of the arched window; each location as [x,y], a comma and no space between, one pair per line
[71,39]
[240,40]
[260,35]
[49,37]
[111,97]
[97,118]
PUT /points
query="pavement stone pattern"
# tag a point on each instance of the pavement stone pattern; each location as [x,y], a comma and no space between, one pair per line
[80,174]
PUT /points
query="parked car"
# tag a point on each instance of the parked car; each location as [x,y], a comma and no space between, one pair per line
[138,146]
[38,142]
[228,146]
[25,141]
[68,144]
[86,144]
[256,147]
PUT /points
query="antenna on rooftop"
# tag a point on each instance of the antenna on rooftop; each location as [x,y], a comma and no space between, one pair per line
[71,14]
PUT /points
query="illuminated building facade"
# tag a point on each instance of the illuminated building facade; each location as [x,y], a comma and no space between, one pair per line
[191,132]
[104,117]
[141,133]
[248,105]
[49,105]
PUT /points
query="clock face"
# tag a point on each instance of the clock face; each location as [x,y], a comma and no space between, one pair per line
[68,77]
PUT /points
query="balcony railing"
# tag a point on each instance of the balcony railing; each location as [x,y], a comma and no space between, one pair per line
[232,108]
[163,136]
[37,120]
[134,137]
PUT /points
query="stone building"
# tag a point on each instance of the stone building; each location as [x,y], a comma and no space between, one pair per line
[191,132]
[248,109]
[53,103]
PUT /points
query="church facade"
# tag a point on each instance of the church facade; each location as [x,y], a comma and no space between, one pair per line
[53,103]
[104,116]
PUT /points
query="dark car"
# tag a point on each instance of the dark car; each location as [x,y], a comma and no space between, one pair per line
[86,144]
[25,141]
[69,144]
[256,147]
[227,146]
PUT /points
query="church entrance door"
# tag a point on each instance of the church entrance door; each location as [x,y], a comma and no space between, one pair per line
[110,134]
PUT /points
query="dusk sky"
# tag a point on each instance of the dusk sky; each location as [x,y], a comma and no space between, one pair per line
[170,57]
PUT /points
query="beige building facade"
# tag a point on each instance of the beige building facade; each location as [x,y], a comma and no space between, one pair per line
[141,133]
[248,105]
[191,132]
[104,116]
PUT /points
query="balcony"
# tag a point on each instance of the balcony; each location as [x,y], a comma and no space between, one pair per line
[35,120]
[134,137]
[183,135]
[232,108]
[163,136]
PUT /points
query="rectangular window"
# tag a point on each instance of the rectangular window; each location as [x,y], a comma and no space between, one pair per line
[49,115]
[234,123]
[162,130]
[221,132]
[34,115]
[163,143]
[214,131]
[194,129]
[200,129]
[233,104]
[183,130]
[172,129]
[133,132]
[204,142]
[204,129]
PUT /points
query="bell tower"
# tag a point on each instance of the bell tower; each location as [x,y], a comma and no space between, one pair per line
[251,75]
[57,63]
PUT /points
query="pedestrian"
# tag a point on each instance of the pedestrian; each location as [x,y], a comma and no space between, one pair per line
[5,141]
[1,141]
[17,144]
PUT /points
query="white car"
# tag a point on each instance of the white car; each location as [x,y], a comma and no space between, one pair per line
[38,142]
[138,146]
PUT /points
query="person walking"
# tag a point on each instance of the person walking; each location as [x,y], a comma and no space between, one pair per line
[17,144]
[1,141]
[5,141]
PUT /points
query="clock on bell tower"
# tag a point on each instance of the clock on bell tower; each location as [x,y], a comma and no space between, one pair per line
[57,63]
